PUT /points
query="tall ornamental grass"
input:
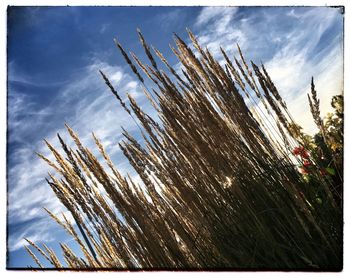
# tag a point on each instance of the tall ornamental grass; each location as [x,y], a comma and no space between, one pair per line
[221,187]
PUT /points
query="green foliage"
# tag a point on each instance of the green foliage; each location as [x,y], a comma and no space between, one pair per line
[326,149]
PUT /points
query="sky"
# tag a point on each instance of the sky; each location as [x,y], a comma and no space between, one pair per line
[53,58]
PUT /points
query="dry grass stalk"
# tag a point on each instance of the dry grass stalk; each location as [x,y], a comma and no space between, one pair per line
[314,104]
[217,190]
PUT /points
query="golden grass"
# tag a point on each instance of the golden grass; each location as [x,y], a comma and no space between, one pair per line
[220,188]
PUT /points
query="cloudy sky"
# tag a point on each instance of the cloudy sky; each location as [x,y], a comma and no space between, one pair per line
[54,54]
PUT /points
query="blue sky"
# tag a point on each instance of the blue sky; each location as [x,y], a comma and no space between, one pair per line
[54,54]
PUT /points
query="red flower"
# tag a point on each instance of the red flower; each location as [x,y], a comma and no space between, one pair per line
[307,163]
[304,154]
[298,150]
[301,151]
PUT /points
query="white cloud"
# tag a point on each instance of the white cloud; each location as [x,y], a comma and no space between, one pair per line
[288,48]
[328,82]
[221,16]
[17,241]
[216,28]
[297,61]
[87,106]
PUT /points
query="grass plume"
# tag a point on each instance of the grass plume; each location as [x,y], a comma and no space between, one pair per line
[220,188]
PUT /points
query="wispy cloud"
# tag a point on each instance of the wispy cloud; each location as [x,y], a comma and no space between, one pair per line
[219,16]
[298,53]
[30,231]
[294,44]
[215,28]
[328,81]
[104,28]
[169,19]
[86,105]
[300,58]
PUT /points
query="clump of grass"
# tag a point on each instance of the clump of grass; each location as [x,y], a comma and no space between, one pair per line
[220,187]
